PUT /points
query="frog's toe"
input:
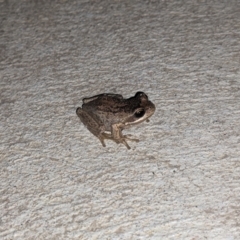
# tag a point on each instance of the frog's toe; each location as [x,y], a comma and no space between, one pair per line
[130,139]
[125,143]
[102,141]
[121,140]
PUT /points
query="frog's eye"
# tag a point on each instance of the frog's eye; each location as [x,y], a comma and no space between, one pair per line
[139,113]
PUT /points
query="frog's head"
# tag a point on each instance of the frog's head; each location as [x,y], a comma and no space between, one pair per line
[142,111]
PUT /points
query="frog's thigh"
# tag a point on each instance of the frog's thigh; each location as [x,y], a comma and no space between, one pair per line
[94,126]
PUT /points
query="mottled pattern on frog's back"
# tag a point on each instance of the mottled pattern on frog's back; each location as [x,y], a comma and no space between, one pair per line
[113,110]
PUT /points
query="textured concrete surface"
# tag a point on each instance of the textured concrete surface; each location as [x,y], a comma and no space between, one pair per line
[181,181]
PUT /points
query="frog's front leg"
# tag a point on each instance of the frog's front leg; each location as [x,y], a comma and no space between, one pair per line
[118,137]
[94,125]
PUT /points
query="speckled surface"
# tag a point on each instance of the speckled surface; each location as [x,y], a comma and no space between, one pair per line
[181,181]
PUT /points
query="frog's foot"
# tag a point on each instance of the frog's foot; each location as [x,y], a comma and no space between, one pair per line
[128,137]
[101,138]
[122,139]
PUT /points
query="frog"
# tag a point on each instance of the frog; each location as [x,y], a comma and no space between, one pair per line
[106,115]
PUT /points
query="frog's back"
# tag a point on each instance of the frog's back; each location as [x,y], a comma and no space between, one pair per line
[108,108]
[111,111]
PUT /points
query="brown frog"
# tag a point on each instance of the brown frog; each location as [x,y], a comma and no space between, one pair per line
[112,113]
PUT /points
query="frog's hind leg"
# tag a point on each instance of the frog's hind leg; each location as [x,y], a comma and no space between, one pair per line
[92,124]
[96,127]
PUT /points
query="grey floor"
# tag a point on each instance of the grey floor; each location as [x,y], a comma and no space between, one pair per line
[181,181]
